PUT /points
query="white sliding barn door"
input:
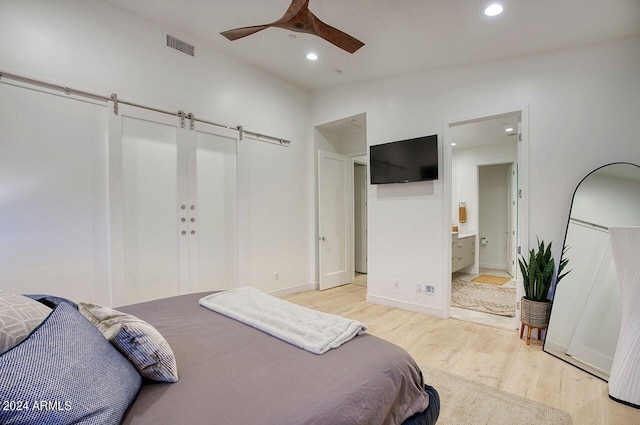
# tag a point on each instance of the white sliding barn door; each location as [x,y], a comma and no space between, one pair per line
[213,192]
[173,206]
[146,194]
[335,210]
[54,214]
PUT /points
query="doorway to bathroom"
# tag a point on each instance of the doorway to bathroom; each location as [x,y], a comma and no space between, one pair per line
[484,167]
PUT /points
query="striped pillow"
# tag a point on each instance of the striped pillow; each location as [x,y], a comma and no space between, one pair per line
[137,340]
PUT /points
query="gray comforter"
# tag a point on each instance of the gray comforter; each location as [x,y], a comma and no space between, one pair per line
[231,373]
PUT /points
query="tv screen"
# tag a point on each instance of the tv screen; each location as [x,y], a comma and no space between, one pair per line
[404,161]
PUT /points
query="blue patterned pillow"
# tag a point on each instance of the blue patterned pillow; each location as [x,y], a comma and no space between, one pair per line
[65,372]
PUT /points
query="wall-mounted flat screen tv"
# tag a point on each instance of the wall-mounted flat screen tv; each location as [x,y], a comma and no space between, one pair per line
[404,161]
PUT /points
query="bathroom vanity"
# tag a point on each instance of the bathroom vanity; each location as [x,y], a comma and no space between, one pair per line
[463,251]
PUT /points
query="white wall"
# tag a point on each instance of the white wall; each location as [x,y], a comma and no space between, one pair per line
[354,143]
[349,144]
[95,46]
[583,105]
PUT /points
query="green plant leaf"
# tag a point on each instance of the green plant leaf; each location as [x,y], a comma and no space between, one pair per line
[537,274]
[563,263]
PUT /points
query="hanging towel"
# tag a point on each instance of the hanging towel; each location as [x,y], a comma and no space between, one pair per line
[462,212]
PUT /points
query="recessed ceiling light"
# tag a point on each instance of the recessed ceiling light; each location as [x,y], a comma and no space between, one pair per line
[493,9]
[508,129]
[312,56]
[453,143]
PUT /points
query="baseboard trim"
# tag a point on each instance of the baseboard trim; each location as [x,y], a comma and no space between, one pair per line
[404,305]
[293,290]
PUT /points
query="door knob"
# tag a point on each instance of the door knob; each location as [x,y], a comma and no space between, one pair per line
[184,232]
[324,239]
[183,206]
[183,219]
[193,232]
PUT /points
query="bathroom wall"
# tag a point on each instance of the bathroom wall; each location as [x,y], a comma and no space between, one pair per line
[464,177]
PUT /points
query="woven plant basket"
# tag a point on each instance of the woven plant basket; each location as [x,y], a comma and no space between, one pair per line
[535,314]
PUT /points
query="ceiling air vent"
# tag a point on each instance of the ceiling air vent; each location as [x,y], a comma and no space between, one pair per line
[182,46]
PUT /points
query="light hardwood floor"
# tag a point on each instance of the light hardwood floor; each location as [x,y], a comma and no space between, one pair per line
[492,356]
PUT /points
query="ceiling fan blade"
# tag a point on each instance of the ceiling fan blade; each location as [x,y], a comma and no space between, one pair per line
[237,33]
[299,18]
[295,8]
[334,35]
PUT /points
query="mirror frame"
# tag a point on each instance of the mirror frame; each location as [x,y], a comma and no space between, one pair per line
[564,242]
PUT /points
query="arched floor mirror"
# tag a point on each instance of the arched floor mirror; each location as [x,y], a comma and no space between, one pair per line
[585,317]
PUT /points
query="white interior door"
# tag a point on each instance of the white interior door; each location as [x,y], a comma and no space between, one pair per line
[360,216]
[335,211]
[213,252]
[512,244]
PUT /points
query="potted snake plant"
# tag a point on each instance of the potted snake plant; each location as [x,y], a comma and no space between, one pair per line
[537,276]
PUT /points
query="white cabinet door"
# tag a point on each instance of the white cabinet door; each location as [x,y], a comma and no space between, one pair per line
[173,206]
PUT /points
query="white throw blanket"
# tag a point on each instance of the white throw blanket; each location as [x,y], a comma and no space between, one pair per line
[303,327]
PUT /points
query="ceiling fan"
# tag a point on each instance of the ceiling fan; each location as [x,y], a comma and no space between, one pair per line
[299,18]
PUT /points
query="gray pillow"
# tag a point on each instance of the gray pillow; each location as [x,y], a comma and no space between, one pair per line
[19,316]
[137,340]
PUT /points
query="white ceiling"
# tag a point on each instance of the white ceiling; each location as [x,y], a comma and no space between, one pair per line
[400,36]
[349,125]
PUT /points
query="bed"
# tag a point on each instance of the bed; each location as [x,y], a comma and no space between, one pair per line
[231,373]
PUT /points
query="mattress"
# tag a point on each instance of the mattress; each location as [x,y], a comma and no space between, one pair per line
[231,373]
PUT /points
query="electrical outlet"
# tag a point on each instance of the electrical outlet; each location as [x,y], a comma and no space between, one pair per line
[396,284]
[418,288]
[429,289]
